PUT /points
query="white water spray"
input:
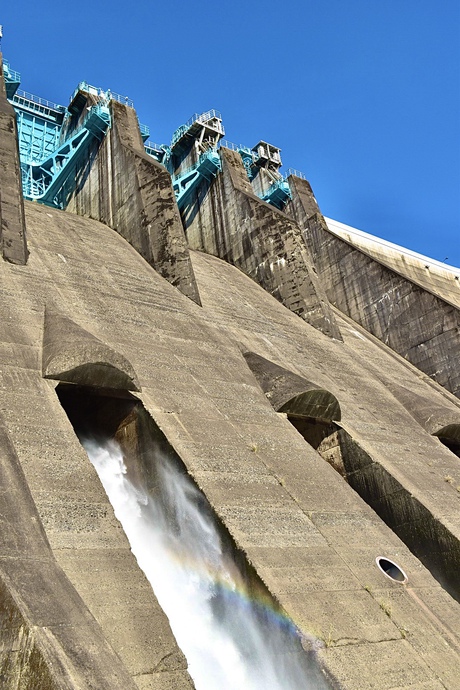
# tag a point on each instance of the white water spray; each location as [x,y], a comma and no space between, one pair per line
[230,641]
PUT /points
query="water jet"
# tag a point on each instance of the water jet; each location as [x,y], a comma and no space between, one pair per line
[232,631]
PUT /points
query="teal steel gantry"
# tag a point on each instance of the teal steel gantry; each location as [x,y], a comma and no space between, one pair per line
[52,153]
[278,194]
[206,169]
[205,130]
[46,181]
[267,156]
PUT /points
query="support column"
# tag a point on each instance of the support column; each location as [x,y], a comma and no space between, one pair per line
[231,222]
[13,242]
[130,192]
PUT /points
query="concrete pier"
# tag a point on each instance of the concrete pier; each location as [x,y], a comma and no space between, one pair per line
[129,191]
[417,320]
[13,241]
[231,222]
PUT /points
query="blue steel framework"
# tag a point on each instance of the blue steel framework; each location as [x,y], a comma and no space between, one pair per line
[207,167]
[46,181]
[51,155]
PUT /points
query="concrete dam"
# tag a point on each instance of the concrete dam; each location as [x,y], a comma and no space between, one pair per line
[229,426]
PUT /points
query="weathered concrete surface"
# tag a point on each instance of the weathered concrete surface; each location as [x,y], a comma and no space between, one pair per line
[370,414]
[431,415]
[406,316]
[13,242]
[48,637]
[403,472]
[310,537]
[130,192]
[231,222]
[434,276]
[85,538]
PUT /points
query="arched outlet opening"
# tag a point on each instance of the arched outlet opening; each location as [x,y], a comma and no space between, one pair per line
[449,436]
[409,519]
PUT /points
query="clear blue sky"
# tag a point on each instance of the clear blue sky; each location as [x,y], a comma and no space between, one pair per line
[363,97]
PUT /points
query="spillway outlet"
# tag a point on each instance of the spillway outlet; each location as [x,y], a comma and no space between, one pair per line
[391,570]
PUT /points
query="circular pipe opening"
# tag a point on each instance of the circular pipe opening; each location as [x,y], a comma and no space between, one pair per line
[391,569]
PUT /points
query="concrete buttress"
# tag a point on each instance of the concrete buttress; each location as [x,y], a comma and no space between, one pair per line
[231,222]
[13,242]
[403,313]
[130,192]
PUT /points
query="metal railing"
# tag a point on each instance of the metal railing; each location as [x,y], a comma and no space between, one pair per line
[203,117]
[236,147]
[108,95]
[197,117]
[144,130]
[296,173]
[121,99]
[228,144]
[25,98]
[153,147]
[11,73]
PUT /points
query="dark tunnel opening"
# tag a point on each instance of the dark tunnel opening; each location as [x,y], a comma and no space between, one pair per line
[410,520]
[323,436]
[450,441]
[453,446]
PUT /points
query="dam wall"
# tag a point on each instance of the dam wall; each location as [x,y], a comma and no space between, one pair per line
[435,276]
[317,446]
[403,313]
[312,540]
